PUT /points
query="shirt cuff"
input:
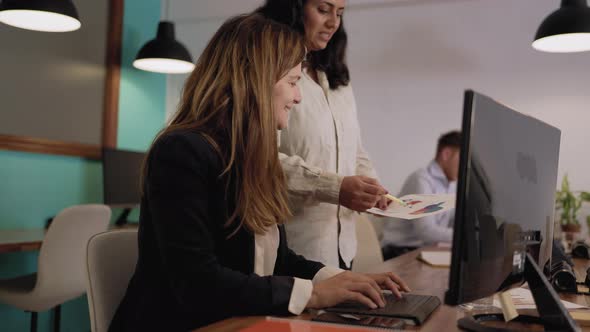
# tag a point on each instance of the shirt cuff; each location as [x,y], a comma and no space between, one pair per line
[328,189]
[325,273]
[300,295]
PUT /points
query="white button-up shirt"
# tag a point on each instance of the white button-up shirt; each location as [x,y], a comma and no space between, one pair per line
[427,230]
[320,146]
[265,257]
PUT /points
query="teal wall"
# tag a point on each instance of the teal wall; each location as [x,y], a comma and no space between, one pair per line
[34,187]
[143,94]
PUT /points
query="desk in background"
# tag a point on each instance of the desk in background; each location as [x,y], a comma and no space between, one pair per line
[30,239]
[422,279]
[21,240]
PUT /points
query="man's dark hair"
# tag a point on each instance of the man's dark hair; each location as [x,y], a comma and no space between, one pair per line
[451,139]
[332,59]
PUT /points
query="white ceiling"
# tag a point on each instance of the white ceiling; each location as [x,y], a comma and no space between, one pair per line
[198,10]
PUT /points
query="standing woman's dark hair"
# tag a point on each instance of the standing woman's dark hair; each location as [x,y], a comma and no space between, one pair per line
[332,59]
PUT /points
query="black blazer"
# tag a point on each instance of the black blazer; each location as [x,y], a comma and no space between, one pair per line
[188,274]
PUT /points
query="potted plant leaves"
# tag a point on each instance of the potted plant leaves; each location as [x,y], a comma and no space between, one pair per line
[568,203]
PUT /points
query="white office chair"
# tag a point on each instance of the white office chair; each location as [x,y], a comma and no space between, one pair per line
[368,252]
[111,260]
[60,273]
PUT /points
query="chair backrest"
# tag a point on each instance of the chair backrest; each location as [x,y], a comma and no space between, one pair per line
[111,260]
[368,254]
[61,265]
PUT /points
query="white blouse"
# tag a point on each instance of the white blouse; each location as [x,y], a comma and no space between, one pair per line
[320,146]
[265,257]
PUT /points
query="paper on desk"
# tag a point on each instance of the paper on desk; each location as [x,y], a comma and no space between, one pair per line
[436,258]
[523,299]
[418,206]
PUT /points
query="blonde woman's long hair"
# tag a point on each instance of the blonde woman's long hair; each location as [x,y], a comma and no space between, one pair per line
[228,99]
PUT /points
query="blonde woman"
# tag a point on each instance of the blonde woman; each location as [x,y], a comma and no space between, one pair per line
[214,195]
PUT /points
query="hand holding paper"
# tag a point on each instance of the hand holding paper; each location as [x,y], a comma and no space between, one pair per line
[417,206]
[360,193]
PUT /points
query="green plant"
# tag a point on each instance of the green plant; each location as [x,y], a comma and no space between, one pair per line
[570,202]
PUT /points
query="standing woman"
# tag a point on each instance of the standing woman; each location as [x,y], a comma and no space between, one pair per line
[329,173]
[211,244]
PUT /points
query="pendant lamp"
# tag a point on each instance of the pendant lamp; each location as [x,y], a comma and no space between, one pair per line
[40,15]
[566,30]
[164,54]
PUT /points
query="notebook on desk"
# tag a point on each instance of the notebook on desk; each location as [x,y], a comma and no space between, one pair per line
[436,258]
[413,307]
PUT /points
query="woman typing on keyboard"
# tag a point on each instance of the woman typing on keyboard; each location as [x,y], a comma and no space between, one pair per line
[211,242]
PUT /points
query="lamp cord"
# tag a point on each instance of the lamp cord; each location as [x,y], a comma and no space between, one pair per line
[166,9]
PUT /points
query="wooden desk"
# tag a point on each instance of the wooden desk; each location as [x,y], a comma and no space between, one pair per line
[21,240]
[422,279]
[30,239]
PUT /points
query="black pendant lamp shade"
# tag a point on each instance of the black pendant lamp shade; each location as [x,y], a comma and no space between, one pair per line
[566,29]
[40,15]
[164,54]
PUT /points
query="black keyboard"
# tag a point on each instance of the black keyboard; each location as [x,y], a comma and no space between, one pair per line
[412,306]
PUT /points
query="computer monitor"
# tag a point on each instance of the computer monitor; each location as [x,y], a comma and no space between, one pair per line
[503,226]
[121,174]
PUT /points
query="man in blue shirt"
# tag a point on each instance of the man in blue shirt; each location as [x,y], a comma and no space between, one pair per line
[439,177]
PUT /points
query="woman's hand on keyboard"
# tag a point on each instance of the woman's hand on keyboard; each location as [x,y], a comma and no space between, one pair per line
[390,281]
[346,286]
